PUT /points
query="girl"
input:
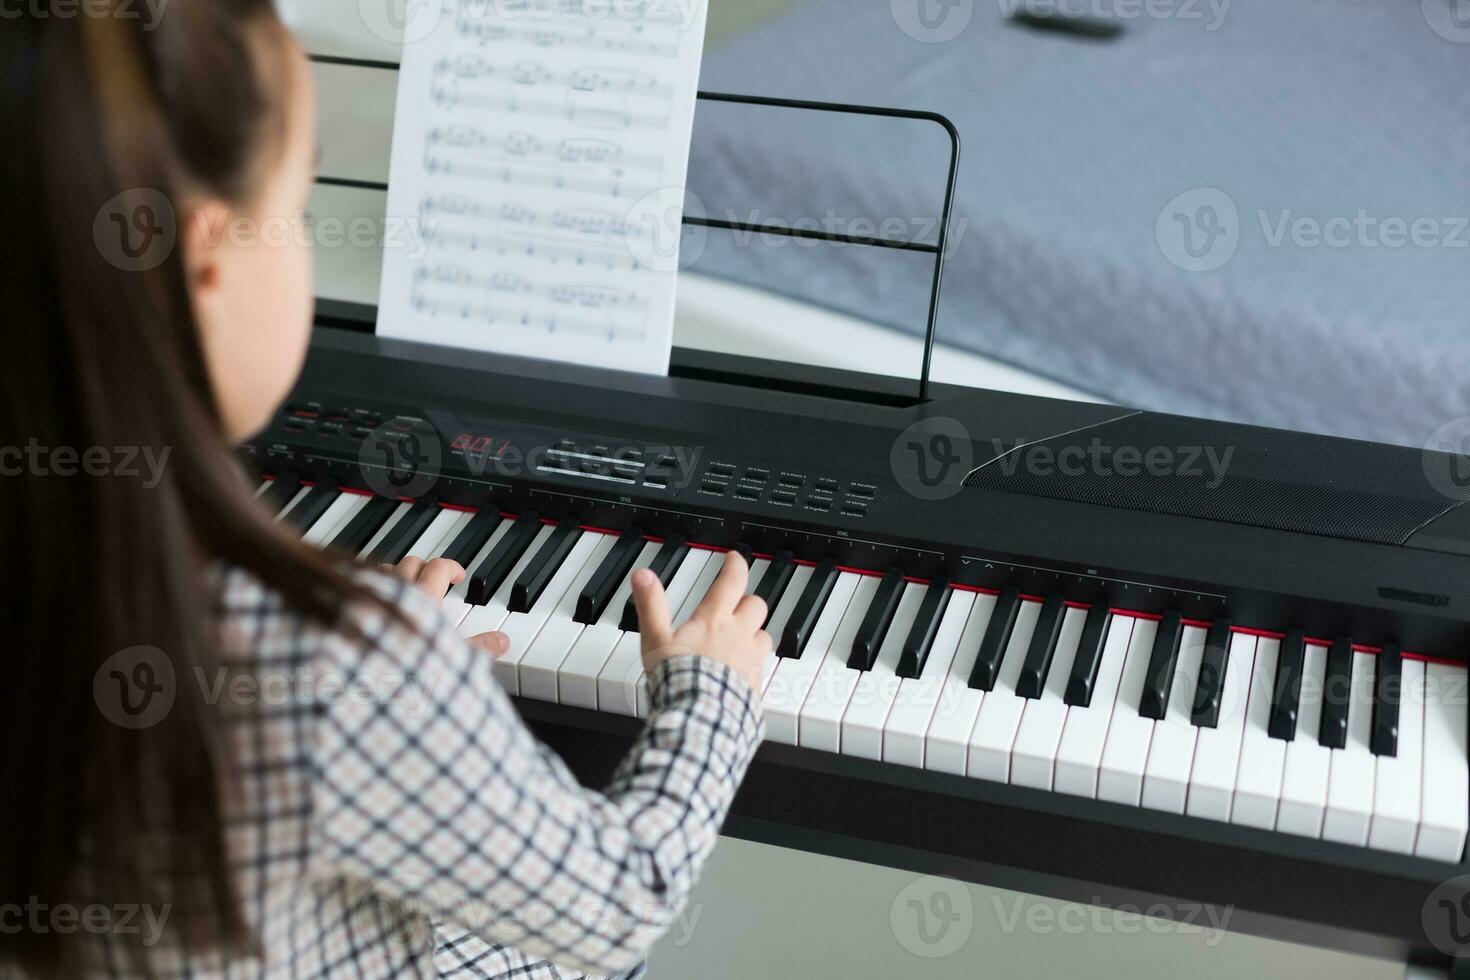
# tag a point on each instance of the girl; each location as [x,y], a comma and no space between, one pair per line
[222,753]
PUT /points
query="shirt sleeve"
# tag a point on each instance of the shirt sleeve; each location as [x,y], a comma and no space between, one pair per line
[429,788]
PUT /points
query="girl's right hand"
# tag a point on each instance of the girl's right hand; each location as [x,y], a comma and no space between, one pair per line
[725,628]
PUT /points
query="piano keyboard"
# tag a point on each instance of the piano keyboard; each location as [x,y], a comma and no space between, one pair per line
[1278,732]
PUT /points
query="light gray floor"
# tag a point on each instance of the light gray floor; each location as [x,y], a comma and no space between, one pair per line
[766,913]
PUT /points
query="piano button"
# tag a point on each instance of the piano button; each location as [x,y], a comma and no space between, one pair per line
[1084,737]
[793,681]
[472,537]
[773,583]
[523,627]
[1171,749]
[309,509]
[920,697]
[1043,647]
[1308,761]
[1213,671]
[872,698]
[365,525]
[1125,753]
[512,546]
[282,491]
[1089,656]
[1387,693]
[947,741]
[345,508]
[546,563]
[1034,757]
[1336,694]
[490,615]
[997,637]
[820,721]
[1287,692]
[989,749]
[665,565]
[1158,682]
[1443,821]
[597,592]
[576,678]
[920,639]
[875,624]
[405,533]
[1217,746]
[798,631]
[1398,782]
[1350,781]
[622,687]
[1262,758]
[538,668]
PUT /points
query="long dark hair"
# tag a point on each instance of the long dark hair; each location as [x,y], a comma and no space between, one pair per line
[105,358]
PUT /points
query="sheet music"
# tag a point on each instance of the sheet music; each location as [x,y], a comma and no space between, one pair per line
[540,151]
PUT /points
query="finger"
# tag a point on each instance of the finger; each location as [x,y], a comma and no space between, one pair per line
[438,576]
[765,641]
[654,621]
[495,644]
[750,611]
[727,587]
[409,569]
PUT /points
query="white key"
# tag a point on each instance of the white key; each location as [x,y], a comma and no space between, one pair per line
[1262,758]
[398,514]
[820,721]
[264,486]
[538,667]
[335,518]
[989,749]
[1034,757]
[1442,824]
[780,616]
[1308,762]
[1085,735]
[523,628]
[918,697]
[1350,781]
[947,740]
[576,677]
[794,676]
[621,686]
[299,496]
[1129,733]
[440,534]
[1217,750]
[455,605]
[486,618]
[1398,786]
[867,709]
[1171,750]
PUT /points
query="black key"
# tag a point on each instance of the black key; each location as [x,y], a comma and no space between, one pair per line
[997,638]
[609,577]
[401,538]
[1160,677]
[875,623]
[745,551]
[1089,657]
[1286,696]
[926,624]
[1337,682]
[360,530]
[773,584]
[1211,687]
[310,510]
[808,608]
[543,565]
[665,563]
[502,558]
[1388,690]
[1043,648]
[281,492]
[472,537]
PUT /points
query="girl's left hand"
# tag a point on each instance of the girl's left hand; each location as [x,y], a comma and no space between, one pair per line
[435,579]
